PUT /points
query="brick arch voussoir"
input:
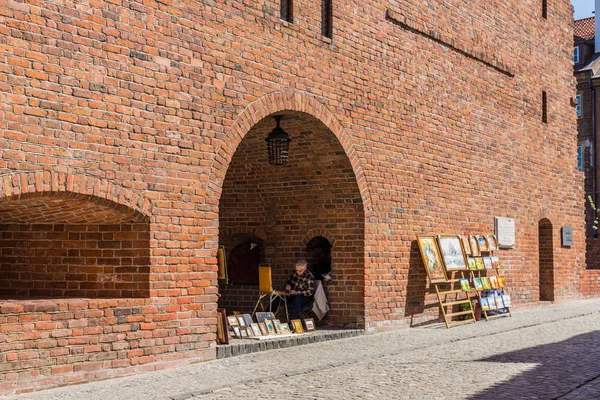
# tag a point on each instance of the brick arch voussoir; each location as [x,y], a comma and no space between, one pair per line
[318,232]
[259,233]
[21,184]
[288,100]
[543,213]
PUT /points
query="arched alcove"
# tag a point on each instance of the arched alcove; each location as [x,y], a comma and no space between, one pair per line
[546,260]
[65,244]
[316,190]
[318,255]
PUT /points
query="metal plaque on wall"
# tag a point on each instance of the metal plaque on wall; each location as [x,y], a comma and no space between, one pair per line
[505,232]
[567,235]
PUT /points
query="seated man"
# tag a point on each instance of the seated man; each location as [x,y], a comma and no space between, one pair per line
[301,288]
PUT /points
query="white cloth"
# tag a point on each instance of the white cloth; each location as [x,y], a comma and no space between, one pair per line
[320,304]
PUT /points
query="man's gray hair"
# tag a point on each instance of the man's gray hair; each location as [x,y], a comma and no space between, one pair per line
[302,263]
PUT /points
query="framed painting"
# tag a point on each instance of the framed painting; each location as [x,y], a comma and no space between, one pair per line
[487,261]
[236,332]
[432,259]
[263,329]
[222,330]
[452,253]
[241,321]
[474,246]
[285,328]
[277,325]
[480,263]
[495,262]
[492,242]
[232,320]
[222,263]
[309,324]
[247,319]
[256,329]
[262,316]
[501,281]
[270,327]
[466,245]
[297,324]
[472,263]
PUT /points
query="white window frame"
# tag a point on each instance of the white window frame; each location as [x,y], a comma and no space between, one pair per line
[579,107]
[576,55]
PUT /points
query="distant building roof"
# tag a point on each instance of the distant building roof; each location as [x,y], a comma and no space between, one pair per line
[584,29]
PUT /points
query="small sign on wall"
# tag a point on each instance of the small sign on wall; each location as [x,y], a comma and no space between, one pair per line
[505,232]
[567,236]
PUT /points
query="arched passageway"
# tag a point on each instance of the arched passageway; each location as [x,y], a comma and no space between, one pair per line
[316,191]
[546,260]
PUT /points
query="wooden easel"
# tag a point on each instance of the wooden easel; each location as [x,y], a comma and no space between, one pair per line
[441,294]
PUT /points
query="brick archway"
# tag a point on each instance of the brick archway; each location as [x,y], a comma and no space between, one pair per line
[318,232]
[24,184]
[288,100]
[317,193]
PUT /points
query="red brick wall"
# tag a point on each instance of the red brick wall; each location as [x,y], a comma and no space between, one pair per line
[315,191]
[143,105]
[74,261]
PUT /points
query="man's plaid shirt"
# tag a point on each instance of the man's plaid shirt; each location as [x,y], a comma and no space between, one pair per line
[302,284]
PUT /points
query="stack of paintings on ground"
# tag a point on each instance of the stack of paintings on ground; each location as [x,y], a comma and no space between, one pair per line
[264,326]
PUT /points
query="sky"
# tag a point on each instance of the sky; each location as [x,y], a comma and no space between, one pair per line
[583,8]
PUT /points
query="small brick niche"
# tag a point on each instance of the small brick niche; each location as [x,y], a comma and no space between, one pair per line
[65,245]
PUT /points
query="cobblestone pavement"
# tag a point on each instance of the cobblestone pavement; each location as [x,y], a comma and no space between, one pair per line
[550,352]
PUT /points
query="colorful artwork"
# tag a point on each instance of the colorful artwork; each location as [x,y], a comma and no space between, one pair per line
[309,324]
[483,244]
[494,282]
[452,253]
[506,300]
[495,262]
[492,302]
[487,261]
[472,263]
[278,328]
[297,324]
[485,305]
[270,327]
[431,258]
[478,284]
[464,285]
[285,328]
[480,264]
[486,283]
[501,282]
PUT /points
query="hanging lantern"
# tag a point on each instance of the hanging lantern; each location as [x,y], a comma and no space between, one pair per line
[278,144]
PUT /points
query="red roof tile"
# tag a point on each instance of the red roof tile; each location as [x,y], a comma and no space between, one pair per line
[584,28]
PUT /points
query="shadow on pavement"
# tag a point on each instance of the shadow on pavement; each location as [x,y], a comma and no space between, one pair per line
[563,367]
